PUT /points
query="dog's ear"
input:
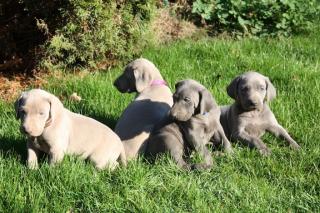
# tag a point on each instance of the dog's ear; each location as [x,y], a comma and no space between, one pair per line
[271,90]
[206,102]
[232,88]
[17,105]
[55,109]
[143,78]
[178,84]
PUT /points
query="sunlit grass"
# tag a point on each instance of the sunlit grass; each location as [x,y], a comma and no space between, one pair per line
[287,181]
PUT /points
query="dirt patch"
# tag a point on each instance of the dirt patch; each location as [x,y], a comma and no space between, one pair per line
[11,85]
[167,27]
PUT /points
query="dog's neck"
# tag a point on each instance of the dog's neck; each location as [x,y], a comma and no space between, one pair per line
[249,112]
[158,82]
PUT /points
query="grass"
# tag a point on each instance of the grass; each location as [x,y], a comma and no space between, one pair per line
[287,181]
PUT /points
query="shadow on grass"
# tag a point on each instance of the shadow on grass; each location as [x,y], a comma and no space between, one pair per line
[17,148]
[10,146]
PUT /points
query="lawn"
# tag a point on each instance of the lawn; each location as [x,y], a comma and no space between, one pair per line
[287,181]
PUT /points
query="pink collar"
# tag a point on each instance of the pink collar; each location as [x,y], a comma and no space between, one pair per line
[158,83]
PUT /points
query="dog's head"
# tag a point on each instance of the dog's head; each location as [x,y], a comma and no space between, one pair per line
[190,98]
[251,90]
[137,76]
[37,110]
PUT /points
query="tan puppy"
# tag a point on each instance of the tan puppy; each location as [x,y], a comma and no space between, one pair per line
[250,116]
[56,131]
[151,105]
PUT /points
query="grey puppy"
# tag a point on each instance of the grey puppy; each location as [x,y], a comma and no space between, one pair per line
[250,116]
[194,120]
[152,103]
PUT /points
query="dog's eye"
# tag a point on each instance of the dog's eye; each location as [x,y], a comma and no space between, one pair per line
[186,99]
[244,89]
[41,113]
[262,88]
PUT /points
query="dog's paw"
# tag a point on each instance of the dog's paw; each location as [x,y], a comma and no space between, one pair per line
[33,165]
[229,150]
[295,146]
[219,154]
[186,167]
[201,166]
[265,151]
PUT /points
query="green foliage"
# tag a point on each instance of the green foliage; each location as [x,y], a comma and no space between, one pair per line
[203,8]
[67,34]
[98,30]
[257,17]
[86,33]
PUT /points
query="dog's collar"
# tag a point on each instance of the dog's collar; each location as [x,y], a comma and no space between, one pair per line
[159,83]
[48,122]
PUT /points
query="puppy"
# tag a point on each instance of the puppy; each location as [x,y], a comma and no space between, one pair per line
[56,131]
[195,119]
[250,116]
[151,105]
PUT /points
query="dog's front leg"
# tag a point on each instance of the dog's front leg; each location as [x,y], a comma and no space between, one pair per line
[178,158]
[279,131]
[252,141]
[226,143]
[206,155]
[32,160]
[198,142]
[56,156]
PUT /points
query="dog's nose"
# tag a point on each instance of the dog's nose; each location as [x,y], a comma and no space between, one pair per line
[252,103]
[26,130]
[120,86]
[173,114]
[116,83]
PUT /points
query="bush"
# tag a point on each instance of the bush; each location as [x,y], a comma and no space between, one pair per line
[96,31]
[74,33]
[19,34]
[256,17]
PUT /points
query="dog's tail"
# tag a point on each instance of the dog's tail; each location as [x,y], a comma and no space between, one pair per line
[122,157]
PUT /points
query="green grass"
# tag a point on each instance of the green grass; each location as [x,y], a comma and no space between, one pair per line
[287,181]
